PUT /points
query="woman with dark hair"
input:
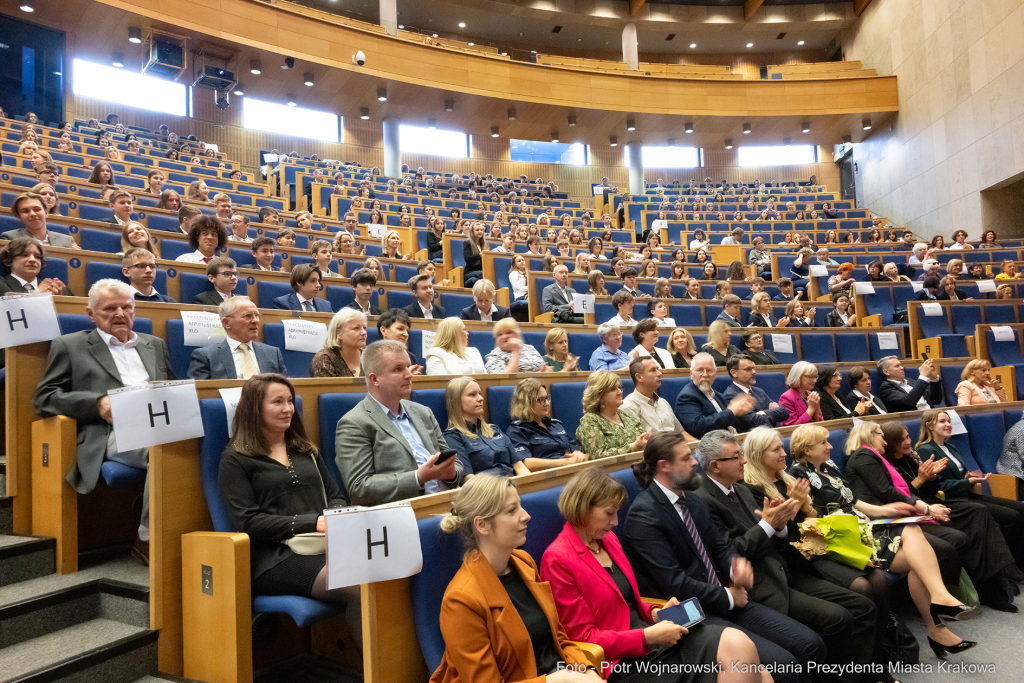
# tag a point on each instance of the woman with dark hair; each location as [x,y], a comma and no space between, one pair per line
[736,271]
[275,487]
[902,475]
[102,174]
[170,200]
[472,250]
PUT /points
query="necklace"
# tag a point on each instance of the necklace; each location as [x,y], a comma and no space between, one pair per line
[595,552]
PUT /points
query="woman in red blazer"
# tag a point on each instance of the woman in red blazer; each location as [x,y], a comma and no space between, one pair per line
[598,601]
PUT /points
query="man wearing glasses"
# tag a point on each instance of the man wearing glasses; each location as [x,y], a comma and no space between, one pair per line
[239,356]
[701,409]
[139,266]
[47,172]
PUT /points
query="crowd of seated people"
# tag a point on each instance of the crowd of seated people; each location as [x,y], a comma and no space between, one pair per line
[686,535]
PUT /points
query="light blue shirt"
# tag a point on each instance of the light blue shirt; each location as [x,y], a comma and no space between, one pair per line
[604,359]
[419,451]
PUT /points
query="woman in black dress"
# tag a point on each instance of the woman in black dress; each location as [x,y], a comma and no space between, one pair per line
[275,486]
[988,560]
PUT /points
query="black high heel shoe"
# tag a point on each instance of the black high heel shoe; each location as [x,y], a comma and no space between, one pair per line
[943,613]
[941,650]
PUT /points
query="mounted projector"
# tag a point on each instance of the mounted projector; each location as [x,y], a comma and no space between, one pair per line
[210,76]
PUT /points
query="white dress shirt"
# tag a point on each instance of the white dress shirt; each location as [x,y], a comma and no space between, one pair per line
[135,290]
[619,322]
[768,528]
[236,355]
[126,357]
[195,257]
[667,322]
[655,414]
[907,387]
[488,316]
[428,313]
[24,283]
[875,401]
[302,303]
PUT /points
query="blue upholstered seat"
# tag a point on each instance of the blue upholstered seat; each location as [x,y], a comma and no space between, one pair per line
[296,362]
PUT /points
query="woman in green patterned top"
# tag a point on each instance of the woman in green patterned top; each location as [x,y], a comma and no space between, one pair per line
[605,430]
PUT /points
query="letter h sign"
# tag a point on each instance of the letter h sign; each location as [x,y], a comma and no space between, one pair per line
[389,533]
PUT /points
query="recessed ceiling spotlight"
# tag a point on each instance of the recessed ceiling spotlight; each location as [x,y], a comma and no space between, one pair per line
[579,40]
[117,59]
[554,136]
[134,34]
[572,120]
[750,45]
[630,124]
[290,100]
[462,24]
[449,105]
[806,127]
[512,114]
[364,113]
[692,45]
[239,90]
[494,131]
[728,143]
[382,94]
[26,6]
[613,141]
[746,129]
[307,78]
[800,42]
[254,66]
[866,123]
[688,127]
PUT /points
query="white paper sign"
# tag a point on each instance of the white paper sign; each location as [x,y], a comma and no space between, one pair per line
[931,310]
[1002,333]
[201,328]
[231,397]
[27,319]
[583,303]
[818,271]
[782,343]
[986,285]
[377,231]
[365,545]
[304,335]
[887,340]
[864,287]
[428,342]
[917,286]
[958,424]
[856,420]
[162,412]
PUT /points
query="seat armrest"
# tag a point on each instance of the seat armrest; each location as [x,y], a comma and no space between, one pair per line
[594,653]
[1003,486]
[542,318]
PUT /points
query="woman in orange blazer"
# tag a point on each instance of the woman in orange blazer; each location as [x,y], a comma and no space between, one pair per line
[598,600]
[498,619]
[977,388]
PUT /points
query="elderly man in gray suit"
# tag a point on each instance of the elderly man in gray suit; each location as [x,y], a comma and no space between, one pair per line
[239,356]
[387,446]
[83,366]
[557,298]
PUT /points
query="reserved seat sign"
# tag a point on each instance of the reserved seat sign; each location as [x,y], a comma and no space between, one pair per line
[365,545]
[155,413]
[26,319]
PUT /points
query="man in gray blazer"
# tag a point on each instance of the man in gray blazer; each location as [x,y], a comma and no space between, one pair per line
[81,368]
[28,206]
[387,446]
[557,298]
[239,356]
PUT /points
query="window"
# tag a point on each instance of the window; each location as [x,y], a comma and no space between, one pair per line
[131,89]
[549,152]
[669,157]
[294,121]
[778,155]
[441,143]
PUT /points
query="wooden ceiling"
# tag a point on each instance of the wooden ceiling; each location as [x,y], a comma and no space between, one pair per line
[95,29]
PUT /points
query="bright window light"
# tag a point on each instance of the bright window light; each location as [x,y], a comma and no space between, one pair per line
[294,121]
[777,155]
[441,143]
[669,157]
[131,89]
[532,151]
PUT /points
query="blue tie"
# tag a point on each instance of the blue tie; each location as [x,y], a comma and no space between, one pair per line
[699,544]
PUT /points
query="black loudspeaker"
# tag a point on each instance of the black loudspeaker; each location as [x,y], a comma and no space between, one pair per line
[166,58]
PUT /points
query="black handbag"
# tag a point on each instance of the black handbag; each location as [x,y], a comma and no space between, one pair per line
[899,644]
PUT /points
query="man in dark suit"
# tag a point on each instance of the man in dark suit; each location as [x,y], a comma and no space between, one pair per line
[363,283]
[424,306]
[701,409]
[692,289]
[743,370]
[899,395]
[785,290]
[139,266]
[676,551]
[305,282]
[484,307]
[239,356]
[81,368]
[786,582]
[730,314]
[223,275]
[121,205]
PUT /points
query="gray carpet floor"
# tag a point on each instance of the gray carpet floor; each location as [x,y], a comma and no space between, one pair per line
[120,567]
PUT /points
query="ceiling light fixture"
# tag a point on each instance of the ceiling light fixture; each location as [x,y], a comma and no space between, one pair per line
[117,59]
[693,45]
[847,139]
[746,129]
[435,35]
[800,42]
[26,6]
[512,114]
[866,123]
[788,142]
[613,141]
[494,131]
[401,27]
[472,44]
[382,94]
[750,45]
[364,113]
[307,78]
[572,120]
[671,142]
[805,127]
[254,66]
[728,143]
[554,136]
[462,24]
[449,105]
[688,127]
[134,34]
[290,100]
[239,89]
[431,124]
[630,124]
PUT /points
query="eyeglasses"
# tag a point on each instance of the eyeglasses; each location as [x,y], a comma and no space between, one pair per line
[249,317]
[544,399]
[735,457]
[144,266]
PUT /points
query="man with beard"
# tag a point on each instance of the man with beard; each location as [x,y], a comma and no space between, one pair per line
[676,551]
[701,409]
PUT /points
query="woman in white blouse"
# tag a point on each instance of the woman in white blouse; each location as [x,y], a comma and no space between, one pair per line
[646,336]
[517,277]
[451,353]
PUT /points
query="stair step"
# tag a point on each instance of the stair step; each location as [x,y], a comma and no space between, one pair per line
[122,568]
[6,513]
[25,557]
[69,607]
[95,650]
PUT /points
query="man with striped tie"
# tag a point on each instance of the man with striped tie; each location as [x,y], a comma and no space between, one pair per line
[239,356]
[676,551]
